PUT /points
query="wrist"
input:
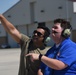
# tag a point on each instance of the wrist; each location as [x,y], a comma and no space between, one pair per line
[40,56]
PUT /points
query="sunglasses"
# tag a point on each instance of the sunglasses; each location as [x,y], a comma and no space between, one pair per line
[38,33]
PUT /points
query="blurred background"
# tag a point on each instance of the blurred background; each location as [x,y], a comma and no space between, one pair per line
[26,15]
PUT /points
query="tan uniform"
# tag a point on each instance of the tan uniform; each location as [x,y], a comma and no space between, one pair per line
[28,67]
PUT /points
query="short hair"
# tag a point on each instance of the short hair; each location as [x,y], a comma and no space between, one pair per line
[46,29]
[64,24]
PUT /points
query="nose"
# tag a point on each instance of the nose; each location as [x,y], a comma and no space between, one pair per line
[53,29]
[35,34]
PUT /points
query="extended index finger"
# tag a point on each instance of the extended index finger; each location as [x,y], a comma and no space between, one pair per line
[28,54]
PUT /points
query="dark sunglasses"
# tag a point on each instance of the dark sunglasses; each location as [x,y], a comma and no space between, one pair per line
[38,33]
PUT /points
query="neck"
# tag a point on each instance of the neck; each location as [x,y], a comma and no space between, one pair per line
[59,41]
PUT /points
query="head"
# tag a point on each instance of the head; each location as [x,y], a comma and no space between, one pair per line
[40,34]
[61,29]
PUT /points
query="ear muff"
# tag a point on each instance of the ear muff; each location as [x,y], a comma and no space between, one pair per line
[47,39]
[66,33]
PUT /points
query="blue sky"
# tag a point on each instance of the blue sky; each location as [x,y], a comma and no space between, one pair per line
[6,4]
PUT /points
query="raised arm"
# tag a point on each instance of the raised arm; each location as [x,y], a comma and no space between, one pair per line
[9,27]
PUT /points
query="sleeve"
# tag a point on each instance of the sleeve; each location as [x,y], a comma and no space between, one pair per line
[68,55]
[42,66]
[23,40]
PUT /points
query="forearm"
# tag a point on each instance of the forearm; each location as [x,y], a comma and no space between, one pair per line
[53,63]
[9,27]
[40,72]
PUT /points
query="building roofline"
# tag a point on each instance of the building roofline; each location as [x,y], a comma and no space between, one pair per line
[12,6]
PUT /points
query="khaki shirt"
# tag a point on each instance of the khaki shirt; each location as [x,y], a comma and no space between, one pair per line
[28,67]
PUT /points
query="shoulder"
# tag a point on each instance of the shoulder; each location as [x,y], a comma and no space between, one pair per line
[24,38]
[68,43]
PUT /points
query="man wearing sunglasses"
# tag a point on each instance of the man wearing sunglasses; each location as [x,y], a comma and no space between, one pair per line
[34,45]
[61,58]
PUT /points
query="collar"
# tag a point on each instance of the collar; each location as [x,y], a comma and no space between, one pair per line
[57,45]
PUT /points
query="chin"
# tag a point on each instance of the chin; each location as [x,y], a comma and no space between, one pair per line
[34,41]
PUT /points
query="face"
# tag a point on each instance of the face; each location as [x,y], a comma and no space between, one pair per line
[56,32]
[38,35]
